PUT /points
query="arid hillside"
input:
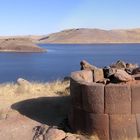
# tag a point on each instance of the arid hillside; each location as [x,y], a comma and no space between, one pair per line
[18,44]
[89,36]
[72,36]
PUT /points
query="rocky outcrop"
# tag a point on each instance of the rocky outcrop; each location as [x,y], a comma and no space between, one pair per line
[19,45]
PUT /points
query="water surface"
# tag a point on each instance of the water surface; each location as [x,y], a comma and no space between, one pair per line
[61,60]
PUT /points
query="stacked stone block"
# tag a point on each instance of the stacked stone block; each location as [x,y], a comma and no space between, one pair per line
[111,112]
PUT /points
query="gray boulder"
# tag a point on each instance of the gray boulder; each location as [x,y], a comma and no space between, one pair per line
[23,86]
[21,81]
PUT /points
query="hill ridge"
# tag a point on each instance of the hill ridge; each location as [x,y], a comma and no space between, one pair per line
[89,36]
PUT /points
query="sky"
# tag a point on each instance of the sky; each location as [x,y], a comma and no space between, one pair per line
[39,17]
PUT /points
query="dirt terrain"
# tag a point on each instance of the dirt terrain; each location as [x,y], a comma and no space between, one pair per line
[92,36]
[29,105]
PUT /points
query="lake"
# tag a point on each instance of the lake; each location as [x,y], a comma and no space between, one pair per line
[61,60]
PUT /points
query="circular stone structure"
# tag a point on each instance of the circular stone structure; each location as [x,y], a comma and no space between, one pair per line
[110,112]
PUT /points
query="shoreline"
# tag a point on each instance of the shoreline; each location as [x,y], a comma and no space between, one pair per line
[22,51]
[115,43]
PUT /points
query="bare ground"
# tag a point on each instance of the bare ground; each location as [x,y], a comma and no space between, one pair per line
[24,107]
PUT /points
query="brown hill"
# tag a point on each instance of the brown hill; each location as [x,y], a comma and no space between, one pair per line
[18,45]
[89,36]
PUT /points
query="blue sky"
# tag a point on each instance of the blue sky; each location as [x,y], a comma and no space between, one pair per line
[25,17]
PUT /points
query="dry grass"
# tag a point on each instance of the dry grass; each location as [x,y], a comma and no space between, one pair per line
[11,93]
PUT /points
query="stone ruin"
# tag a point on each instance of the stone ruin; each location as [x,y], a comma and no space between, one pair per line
[106,102]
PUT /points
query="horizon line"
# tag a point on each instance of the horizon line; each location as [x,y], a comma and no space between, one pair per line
[65,29]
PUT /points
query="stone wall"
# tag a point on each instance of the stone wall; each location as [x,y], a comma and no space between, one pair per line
[111,112]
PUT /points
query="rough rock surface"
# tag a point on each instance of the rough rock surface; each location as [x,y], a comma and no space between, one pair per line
[119,65]
[44,132]
[71,138]
[131,66]
[122,76]
[55,134]
[16,126]
[135,88]
[98,75]
[93,98]
[117,99]
[86,66]
[84,75]
[123,127]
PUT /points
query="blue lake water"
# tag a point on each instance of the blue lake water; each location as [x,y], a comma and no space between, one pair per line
[61,60]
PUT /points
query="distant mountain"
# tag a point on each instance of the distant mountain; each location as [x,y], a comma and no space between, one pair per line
[18,44]
[89,36]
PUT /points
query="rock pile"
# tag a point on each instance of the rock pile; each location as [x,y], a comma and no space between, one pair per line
[115,73]
[45,132]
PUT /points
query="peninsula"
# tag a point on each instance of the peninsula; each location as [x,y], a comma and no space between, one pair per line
[18,44]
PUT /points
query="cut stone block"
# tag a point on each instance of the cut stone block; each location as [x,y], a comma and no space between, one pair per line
[123,127]
[98,75]
[93,98]
[135,88]
[76,93]
[138,124]
[117,99]
[77,119]
[89,123]
[98,125]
